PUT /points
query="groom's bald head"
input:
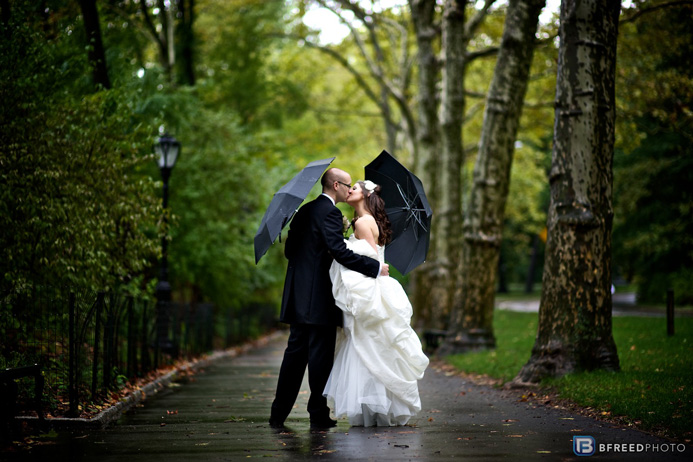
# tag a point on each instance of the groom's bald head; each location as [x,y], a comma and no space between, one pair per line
[335,183]
[333,175]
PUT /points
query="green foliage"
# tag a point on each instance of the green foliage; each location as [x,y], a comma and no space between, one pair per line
[72,195]
[653,163]
[239,72]
[652,390]
[219,193]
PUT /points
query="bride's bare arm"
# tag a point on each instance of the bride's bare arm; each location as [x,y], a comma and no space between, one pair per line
[366,228]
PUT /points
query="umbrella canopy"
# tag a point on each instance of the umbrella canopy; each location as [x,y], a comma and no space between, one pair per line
[408,210]
[285,203]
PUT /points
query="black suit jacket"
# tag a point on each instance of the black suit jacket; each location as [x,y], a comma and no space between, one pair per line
[315,239]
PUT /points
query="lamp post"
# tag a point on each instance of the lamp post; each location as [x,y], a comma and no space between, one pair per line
[167,148]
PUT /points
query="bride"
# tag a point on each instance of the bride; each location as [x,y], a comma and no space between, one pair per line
[378,357]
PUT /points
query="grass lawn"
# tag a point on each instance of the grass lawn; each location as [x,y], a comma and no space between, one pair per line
[653,391]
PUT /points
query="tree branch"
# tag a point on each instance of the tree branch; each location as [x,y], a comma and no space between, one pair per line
[152,28]
[374,68]
[475,94]
[490,51]
[355,73]
[654,8]
[474,23]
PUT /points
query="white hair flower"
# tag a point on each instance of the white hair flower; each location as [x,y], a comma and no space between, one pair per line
[370,186]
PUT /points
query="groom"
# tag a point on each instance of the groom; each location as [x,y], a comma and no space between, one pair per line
[315,239]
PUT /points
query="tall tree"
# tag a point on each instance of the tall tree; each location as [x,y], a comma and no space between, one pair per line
[440,144]
[162,34]
[97,56]
[186,41]
[472,315]
[429,281]
[575,312]
[452,112]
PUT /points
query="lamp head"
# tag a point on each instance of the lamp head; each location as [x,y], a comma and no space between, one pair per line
[167,148]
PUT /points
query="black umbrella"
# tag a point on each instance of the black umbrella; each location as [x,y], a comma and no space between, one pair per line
[408,210]
[284,205]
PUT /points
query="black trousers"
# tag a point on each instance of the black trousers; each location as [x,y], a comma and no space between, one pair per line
[312,346]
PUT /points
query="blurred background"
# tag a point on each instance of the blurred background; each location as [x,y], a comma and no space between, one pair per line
[253,90]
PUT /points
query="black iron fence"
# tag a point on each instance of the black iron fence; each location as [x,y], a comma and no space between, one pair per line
[89,344]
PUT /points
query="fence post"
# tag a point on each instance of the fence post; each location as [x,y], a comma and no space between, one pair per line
[108,342]
[72,352]
[97,340]
[145,360]
[131,355]
[229,327]
[209,342]
[670,312]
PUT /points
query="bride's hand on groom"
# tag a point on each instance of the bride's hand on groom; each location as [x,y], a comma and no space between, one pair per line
[385,270]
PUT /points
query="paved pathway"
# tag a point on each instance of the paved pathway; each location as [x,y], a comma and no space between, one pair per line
[221,414]
[624,304]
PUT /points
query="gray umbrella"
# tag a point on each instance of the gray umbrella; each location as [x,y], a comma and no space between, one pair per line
[285,203]
[408,210]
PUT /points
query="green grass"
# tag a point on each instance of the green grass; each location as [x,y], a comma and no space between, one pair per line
[654,389]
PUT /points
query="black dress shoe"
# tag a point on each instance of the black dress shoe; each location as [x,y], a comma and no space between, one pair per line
[276,423]
[323,423]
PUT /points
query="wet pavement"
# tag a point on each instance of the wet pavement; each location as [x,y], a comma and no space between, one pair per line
[624,304]
[221,414]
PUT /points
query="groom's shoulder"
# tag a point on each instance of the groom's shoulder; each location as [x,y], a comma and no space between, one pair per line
[315,207]
[320,203]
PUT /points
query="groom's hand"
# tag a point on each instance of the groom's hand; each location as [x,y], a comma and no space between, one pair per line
[385,270]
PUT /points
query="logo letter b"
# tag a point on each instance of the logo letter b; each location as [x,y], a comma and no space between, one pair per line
[584,445]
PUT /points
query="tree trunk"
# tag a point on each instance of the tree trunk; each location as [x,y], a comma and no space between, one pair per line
[452,109]
[97,57]
[167,33]
[428,280]
[575,311]
[5,12]
[186,45]
[160,37]
[471,320]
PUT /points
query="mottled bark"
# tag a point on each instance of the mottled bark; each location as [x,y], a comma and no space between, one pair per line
[440,147]
[471,320]
[97,56]
[575,311]
[452,110]
[429,279]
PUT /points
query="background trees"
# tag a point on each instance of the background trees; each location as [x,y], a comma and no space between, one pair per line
[471,323]
[253,96]
[428,120]
[652,215]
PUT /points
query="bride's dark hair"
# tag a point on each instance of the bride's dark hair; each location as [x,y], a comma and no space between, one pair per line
[376,207]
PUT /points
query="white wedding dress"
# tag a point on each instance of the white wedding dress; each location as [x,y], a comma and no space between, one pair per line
[378,357]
